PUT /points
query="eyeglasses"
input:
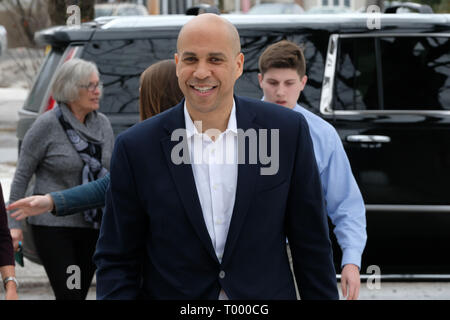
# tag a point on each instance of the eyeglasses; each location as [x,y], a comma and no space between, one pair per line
[91,87]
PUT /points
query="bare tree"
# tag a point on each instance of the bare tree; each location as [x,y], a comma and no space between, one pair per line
[25,17]
[22,18]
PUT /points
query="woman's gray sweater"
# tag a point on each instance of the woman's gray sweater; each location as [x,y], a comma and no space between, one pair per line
[47,152]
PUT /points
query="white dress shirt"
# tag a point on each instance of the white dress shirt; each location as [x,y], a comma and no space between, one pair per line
[215,169]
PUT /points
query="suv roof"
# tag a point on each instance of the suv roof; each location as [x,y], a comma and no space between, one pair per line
[332,22]
[324,20]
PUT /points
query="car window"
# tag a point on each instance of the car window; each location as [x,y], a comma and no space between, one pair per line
[370,70]
[121,63]
[39,90]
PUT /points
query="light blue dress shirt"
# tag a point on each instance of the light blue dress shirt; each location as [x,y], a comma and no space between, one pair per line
[344,202]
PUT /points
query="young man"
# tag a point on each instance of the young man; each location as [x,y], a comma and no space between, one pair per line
[282,79]
[213,230]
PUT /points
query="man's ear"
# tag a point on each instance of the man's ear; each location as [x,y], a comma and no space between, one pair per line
[177,59]
[240,64]
[260,79]
[303,81]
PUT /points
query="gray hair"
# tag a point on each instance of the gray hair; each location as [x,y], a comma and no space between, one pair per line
[69,77]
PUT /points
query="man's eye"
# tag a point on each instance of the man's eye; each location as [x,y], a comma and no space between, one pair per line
[215,60]
[189,59]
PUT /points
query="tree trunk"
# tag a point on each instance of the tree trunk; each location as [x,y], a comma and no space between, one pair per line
[87,10]
[57,11]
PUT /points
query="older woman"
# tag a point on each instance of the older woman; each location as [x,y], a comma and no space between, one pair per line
[67,146]
[158,92]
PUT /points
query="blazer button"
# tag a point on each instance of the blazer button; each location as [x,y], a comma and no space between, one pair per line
[222,274]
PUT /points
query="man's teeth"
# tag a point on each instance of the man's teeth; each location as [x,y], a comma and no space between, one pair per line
[203,89]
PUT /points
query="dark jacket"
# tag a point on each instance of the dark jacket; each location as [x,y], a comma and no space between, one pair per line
[6,246]
[154,242]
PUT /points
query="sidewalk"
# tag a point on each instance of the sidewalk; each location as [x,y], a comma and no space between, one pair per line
[11,100]
[32,275]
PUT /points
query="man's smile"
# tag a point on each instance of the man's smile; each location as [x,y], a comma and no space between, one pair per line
[203,90]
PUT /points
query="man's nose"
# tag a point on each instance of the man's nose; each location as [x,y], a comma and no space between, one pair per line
[202,71]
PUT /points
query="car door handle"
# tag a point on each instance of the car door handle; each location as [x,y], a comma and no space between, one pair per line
[368,139]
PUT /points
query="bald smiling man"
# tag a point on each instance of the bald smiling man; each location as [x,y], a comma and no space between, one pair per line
[182,223]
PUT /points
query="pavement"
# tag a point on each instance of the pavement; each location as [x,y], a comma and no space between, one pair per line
[11,100]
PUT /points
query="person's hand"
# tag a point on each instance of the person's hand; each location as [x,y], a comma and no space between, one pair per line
[350,281]
[11,291]
[16,235]
[31,206]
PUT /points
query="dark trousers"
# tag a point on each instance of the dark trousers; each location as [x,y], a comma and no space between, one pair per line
[62,247]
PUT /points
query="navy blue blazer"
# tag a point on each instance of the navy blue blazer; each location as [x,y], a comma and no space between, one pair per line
[154,242]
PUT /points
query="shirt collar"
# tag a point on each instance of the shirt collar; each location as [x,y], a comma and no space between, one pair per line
[191,129]
[297,107]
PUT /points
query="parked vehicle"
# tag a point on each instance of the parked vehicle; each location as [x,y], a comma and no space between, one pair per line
[120,9]
[276,8]
[328,10]
[201,8]
[406,7]
[386,91]
[3,40]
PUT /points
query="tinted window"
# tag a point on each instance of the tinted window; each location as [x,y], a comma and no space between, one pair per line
[356,78]
[121,63]
[401,73]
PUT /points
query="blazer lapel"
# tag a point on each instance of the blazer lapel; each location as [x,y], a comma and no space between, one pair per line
[246,182]
[184,180]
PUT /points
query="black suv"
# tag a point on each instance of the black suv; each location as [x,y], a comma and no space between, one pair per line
[386,91]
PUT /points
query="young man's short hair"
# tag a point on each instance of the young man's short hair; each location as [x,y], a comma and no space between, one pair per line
[283,54]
